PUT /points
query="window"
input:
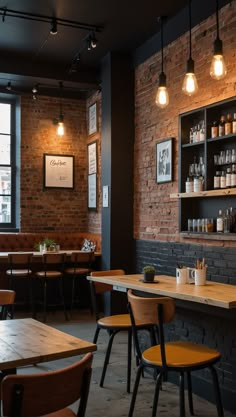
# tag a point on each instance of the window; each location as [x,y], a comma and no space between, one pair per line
[8,172]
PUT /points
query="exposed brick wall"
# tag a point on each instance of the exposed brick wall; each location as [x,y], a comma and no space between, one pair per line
[54,209]
[155,214]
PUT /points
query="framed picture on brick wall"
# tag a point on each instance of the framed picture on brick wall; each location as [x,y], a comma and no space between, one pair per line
[92,119]
[92,158]
[92,191]
[58,171]
[164,161]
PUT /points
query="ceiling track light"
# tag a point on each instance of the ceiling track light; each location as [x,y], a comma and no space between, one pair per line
[91,42]
[35,89]
[5,12]
[162,96]
[8,86]
[53,30]
[190,85]
[218,67]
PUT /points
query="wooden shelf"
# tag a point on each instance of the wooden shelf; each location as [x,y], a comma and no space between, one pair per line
[208,236]
[210,193]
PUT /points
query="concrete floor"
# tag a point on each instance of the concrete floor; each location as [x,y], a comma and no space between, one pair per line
[113,400]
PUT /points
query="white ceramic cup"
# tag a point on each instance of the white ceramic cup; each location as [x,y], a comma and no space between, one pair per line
[181,275]
[190,275]
[200,276]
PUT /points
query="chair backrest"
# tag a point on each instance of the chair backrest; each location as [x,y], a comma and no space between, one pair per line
[20,259]
[7,299]
[48,392]
[82,257]
[150,311]
[97,288]
[52,259]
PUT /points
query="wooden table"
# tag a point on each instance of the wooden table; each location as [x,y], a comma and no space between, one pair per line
[27,342]
[213,293]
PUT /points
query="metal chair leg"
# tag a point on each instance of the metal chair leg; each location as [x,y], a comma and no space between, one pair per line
[44,300]
[190,395]
[63,298]
[95,338]
[107,357]
[219,406]
[129,359]
[156,394]
[135,390]
[181,395]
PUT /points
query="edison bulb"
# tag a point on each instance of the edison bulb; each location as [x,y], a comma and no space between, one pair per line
[190,85]
[60,129]
[162,97]
[218,67]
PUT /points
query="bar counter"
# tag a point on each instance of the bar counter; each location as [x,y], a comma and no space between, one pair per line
[213,293]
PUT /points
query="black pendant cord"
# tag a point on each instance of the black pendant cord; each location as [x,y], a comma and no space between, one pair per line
[162,58]
[217,19]
[61,87]
[190,29]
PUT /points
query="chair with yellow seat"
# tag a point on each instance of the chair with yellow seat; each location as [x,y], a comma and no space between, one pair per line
[7,299]
[48,393]
[179,356]
[114,323]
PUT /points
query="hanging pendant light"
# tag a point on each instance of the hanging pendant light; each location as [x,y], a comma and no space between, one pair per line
[60,123]
[162,96]
[190,85]
[218,67]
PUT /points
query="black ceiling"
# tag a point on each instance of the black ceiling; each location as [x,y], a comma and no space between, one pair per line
[30,55]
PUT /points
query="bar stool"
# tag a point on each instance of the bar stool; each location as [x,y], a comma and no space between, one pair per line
[81,267]
[113,324]
[178,356]
[20,267]
[7,299]
[53,266]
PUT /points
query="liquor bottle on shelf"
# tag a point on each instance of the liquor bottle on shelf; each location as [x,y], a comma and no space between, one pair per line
[227,221]
[222,180]
[219,222]
[233,176]
[222,126]
[214,129]
[228,177]
[234,124]
[228,124]
[217,180]
[202,131]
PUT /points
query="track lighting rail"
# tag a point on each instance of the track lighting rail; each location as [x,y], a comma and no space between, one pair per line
[5,12]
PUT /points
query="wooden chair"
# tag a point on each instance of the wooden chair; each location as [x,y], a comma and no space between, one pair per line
[48,393]
[81,267]
[20,267]
[7,299]
[113,324]
[53,267]
[178,356]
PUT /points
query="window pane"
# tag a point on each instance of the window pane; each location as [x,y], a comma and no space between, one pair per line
[5,149]
[5,209]
[5,118]
[5,181]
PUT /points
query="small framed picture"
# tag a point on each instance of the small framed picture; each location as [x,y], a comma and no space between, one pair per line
[164,161]
[92,119]
[92,158]
[58,171]
[92,191]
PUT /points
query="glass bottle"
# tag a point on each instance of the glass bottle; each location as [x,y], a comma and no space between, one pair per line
[222,180]
[233,176]
[202,131]
[217,180]
[219,222]
[222,126]
[189,185]
[234,124]
[228,124]
[214,129]
[228,177]
[227,221]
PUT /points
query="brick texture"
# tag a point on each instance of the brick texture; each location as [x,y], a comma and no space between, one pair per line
[55,209]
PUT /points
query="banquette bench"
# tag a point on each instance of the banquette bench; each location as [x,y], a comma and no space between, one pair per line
[15,242]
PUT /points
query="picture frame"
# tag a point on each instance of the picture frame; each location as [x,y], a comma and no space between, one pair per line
[92,158]
[58,171]
[164,161]
[92,191]
[92,119]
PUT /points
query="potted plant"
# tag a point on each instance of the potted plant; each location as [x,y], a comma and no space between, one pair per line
[47,243]
[148,273]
